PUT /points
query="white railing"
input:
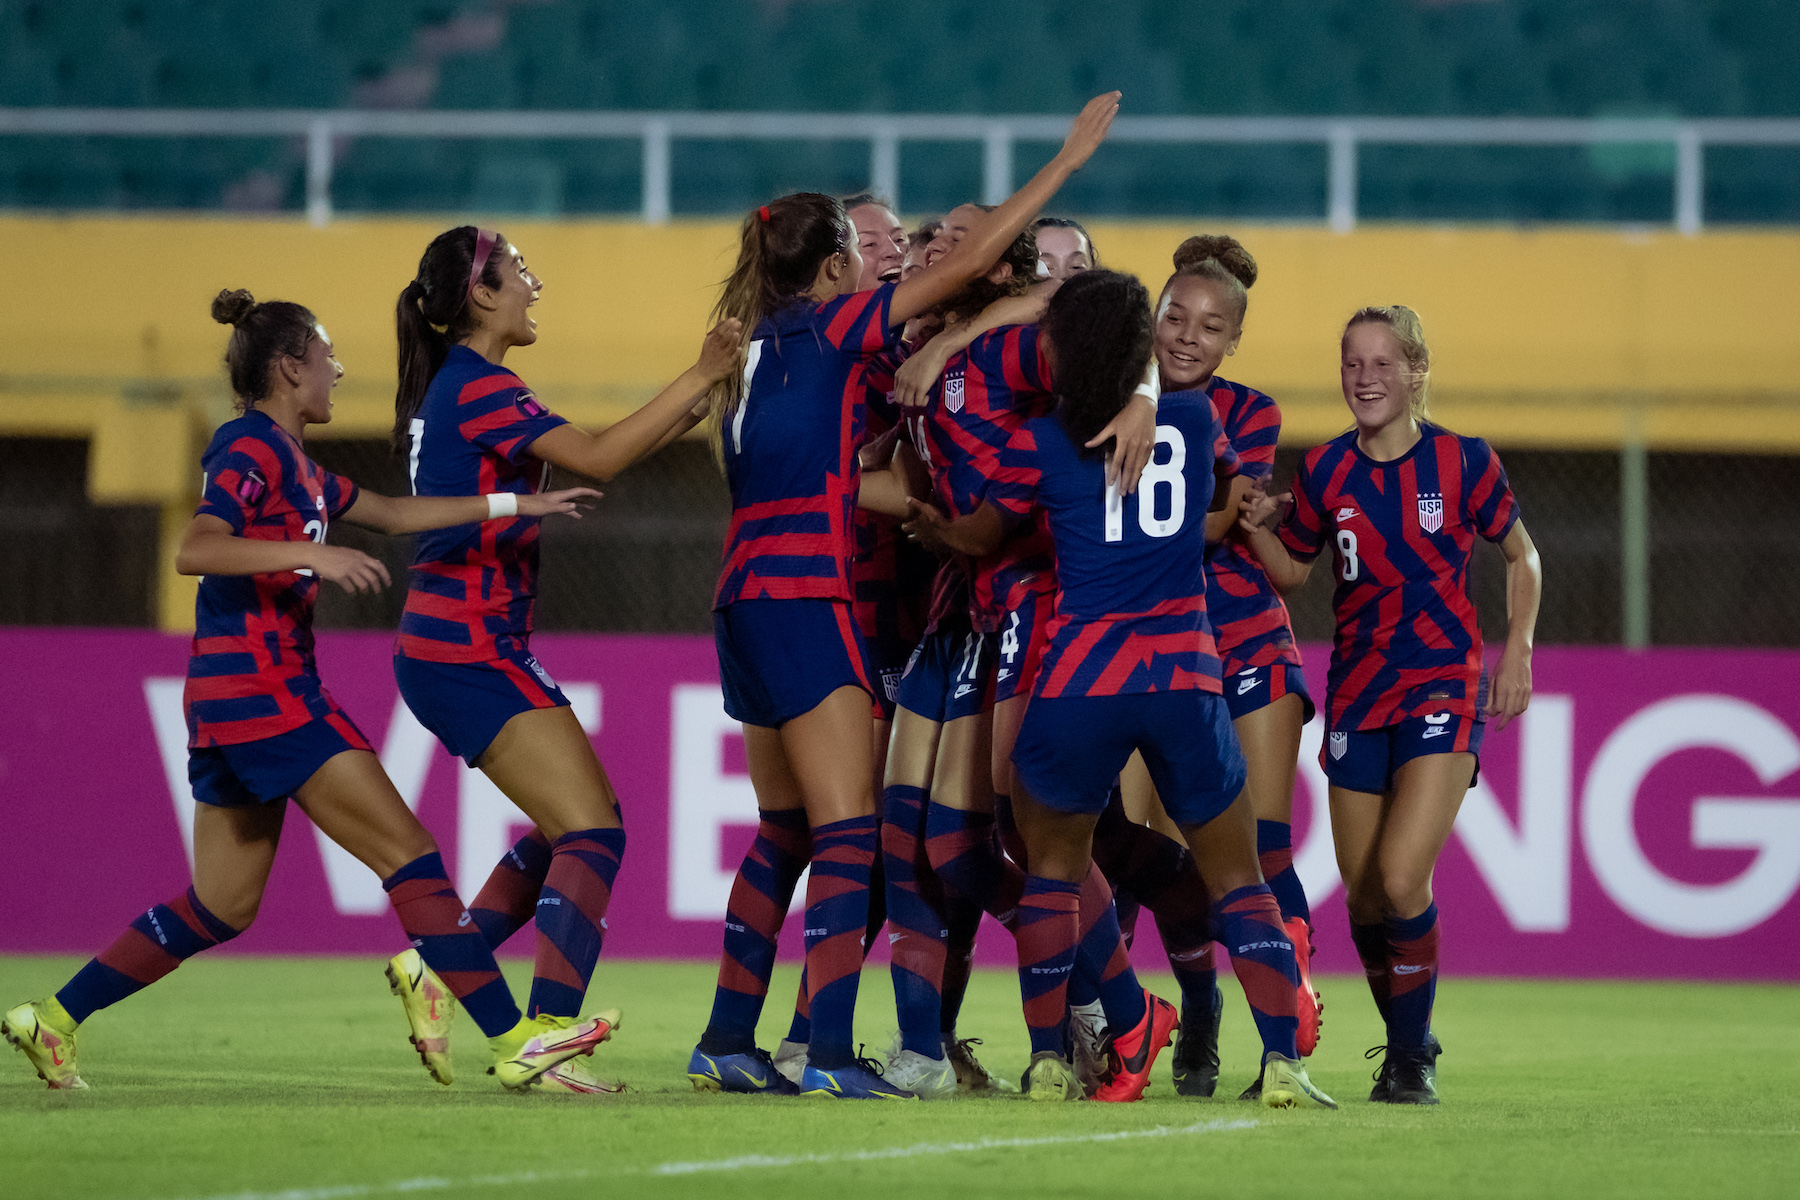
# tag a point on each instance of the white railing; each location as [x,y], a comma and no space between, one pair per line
[1342,137]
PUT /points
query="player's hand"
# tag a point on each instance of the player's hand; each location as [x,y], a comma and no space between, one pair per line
[927,525]
[351,570]
[721,352]
[1135,431]
[570,502]
[1089,130]
[919,374]
[1511,690]
[1258,506]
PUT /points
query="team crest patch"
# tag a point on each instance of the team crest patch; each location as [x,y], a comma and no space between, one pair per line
[1431,512]
[528,404]
[252,487]
[1340,742]
[953,393]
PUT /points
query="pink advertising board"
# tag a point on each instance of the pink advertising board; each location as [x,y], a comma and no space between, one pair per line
[1642,820]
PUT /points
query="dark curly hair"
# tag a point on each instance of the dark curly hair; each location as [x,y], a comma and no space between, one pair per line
[981,291]
[1100,332]
[1222,259]
[260,334]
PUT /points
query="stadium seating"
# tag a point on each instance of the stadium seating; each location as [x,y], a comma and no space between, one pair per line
[1383,57]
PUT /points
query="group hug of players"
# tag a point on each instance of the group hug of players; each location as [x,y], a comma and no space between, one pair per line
[1000,612]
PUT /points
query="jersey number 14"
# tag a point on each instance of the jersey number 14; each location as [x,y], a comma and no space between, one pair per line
[1156,477]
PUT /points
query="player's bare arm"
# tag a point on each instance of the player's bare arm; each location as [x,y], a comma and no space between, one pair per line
[415,514]
[1511,690]
[1256,509]
[209,547]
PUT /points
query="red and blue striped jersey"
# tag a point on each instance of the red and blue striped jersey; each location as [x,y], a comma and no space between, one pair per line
[986,395]
[251,674]
[791,444]
[473,584]
[1131,596]
[1401,532]
[892,576]
[1249,618]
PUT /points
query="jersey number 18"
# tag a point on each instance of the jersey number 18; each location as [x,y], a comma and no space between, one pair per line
[1156,476]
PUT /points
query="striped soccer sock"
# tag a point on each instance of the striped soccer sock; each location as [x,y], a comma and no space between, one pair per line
[571,918]
[967,858]
[1371,942]
[450,941]
[1249,924]
[1102,955]
[918,940]
[155,944]
[837,912]
[508,900]
[760,896]
[1191,959]
[1048,928]
[1413,971]
[959,960]
[1275,851]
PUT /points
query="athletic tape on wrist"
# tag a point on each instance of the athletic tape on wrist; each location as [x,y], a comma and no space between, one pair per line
[502,504]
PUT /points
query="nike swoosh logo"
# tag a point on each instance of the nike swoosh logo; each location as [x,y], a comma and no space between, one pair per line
[1246,684]
[760,1081]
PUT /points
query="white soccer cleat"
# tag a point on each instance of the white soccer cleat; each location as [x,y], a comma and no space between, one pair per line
[1087,1029]
[790,1060]
[926,1078]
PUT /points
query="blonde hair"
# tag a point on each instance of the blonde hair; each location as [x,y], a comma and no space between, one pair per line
[1409,331]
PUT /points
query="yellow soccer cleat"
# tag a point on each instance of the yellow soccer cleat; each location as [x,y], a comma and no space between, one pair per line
[576,1076]
[1051,1077]
[548,1042]
[1285,1085]
[429,1007]
[47,1037]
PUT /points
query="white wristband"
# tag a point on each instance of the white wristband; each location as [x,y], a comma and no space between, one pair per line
[1151,388]
[502,504]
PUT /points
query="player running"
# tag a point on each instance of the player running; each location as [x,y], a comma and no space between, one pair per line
[1400,502]
[262,728]
[1130,666]
[792,663]
[463,657]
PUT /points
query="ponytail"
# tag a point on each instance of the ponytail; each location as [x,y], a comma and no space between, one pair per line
[433,313]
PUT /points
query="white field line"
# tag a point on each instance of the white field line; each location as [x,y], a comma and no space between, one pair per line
[352,1191]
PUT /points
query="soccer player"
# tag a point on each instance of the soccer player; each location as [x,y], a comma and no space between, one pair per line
[463,657]
[791,660]
[1130,666]
[262,728]
[1064,248]
[1400,502]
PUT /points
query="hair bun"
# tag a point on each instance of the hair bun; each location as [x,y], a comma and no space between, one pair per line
[232,305]
[1225,249]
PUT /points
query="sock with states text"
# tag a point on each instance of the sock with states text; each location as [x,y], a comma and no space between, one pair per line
[760,895]
[1371,942]
[918,941]
[1262,955]
[1275,852]
[1413,970]
[451,943]
[155,944]
[508,900]
[837,912]
[1048,929]
[571,918]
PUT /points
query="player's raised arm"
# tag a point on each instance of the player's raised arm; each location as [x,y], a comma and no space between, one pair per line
[988,238]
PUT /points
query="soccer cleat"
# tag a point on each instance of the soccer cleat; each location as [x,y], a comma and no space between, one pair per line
[860,1081]
[1285,1085]
[1311,1006]
[1412,1079]
[1051,1077]
[790,1060]
[551,1042]
[971,1076]
[1383,1091]
[429,1009]
[752,1073]
[1195,1063]
[576,1076]
[1253,1093]
[1134,1053]
[50,1050]
[926,1078]
[1087,1030]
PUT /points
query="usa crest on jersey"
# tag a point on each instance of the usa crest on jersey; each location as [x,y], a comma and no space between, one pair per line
[953,392]
[1431,512]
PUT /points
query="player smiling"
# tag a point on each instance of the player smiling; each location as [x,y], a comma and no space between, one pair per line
[1400,502]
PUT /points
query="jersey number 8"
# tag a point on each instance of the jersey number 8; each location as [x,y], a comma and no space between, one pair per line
[1156,476]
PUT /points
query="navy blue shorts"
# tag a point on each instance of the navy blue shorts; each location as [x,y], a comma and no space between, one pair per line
[888,655]
[273,768]
[951,674]
[1024,636]
[1071,749]
[1365,760]
[779,659]
[1259,687]
[464,705]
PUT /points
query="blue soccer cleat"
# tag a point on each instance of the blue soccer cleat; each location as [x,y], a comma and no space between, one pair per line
[752,1074]
[860,1081]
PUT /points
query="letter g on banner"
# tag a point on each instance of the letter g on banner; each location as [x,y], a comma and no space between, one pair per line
[1770,826]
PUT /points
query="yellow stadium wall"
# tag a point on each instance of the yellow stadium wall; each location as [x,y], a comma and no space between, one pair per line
[1556,337]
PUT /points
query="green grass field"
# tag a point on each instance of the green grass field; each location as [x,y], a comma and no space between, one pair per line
[288,1078]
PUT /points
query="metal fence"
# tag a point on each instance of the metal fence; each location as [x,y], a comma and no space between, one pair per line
[999,136]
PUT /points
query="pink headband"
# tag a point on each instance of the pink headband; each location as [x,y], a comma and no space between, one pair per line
[484,246]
